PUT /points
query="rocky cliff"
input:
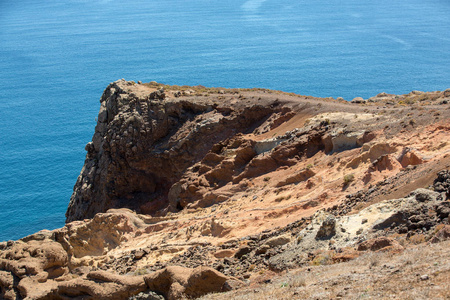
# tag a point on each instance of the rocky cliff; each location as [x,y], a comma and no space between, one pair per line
[145,141]
[191,190]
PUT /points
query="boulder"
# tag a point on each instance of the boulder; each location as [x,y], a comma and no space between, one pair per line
[176,282]
[358,100]
[380,244]
[278,240]
[224,253]
[442,235]
[243,250]
[327,229]
[411,158]
[442,183]
[446,93]
[303,175]
[157,95]
[424,195]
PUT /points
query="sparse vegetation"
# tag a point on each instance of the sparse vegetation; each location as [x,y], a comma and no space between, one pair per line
[362,278]
[279,199]
[324,258]
[417,239]
[142,271]
[348,179]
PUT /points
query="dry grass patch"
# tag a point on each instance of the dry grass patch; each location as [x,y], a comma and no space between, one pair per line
[420,272]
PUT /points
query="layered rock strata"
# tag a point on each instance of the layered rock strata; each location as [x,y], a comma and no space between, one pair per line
[143,145]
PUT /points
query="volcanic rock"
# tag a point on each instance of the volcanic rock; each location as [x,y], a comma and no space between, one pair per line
[192,190]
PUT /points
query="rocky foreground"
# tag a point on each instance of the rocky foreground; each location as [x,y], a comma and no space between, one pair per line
[188,191]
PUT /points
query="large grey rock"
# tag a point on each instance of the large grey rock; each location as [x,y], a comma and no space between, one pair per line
[278,240]
[326,232]
[423,195]
[327,229]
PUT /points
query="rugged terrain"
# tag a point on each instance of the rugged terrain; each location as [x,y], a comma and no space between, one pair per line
[188,191]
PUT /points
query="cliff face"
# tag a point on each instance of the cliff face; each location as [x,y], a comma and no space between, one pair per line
[143,144]
[190,190]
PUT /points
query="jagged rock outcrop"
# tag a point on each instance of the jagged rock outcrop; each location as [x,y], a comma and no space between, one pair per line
[64,263]
[442,183]
[419,211]
[237,159]
[381,243]
[178,282]
[143,144]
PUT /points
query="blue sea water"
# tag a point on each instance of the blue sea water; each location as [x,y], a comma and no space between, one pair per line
[57,56]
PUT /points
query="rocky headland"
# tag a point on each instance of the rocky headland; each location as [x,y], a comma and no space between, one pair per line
[191,192]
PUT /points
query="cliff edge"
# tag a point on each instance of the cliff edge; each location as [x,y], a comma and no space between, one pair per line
[146,139]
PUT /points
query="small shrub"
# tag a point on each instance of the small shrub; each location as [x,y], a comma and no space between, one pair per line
[423,97]
[141,272]
[417,239]
[320,260]
[437,229]
[279,199]
[266,178]
[298,281]
[348,178]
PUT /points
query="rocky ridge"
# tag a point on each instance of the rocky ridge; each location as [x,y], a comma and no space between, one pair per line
[191,190]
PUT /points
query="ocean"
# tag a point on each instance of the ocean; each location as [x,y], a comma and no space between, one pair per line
[57,56]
